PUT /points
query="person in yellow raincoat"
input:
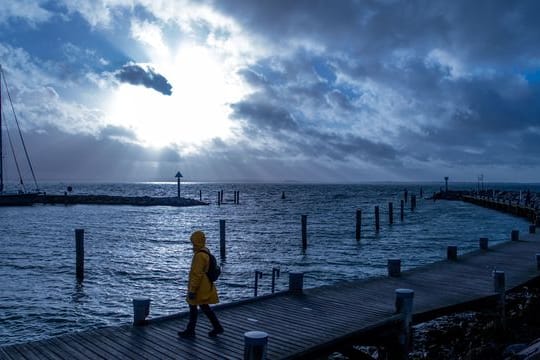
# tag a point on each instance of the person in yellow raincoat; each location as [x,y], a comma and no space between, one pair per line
[201,291]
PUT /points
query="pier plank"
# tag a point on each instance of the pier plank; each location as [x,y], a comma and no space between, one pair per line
[296,323]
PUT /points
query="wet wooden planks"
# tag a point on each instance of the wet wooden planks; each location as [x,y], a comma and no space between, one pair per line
[297,323]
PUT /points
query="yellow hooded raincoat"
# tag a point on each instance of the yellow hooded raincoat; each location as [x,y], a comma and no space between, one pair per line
[199,284]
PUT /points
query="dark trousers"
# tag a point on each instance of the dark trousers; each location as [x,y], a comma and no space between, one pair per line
[193,314]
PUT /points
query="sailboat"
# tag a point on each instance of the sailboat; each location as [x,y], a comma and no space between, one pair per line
[20,196]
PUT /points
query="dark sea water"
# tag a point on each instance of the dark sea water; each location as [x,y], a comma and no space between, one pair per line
[145,251]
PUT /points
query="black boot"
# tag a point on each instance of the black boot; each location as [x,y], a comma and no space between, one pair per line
[216,331]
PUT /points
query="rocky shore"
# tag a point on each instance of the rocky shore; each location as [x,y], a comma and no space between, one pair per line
[475,334]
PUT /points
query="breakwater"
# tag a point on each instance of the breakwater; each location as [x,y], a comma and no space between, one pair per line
[116,200]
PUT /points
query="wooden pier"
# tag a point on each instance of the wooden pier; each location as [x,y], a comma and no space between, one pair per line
[309,323]
[509,207]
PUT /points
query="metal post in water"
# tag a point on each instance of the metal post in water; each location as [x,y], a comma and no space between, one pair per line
[79,251]
[258,275]
[275,273]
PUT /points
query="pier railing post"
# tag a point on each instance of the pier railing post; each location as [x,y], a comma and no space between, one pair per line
[404,306]
[141,309]
[296,283]
[255,344]
[79,253]
[222,243]
[304,232]
[358,224]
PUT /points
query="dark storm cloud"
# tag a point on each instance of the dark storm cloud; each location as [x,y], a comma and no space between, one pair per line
[136,75]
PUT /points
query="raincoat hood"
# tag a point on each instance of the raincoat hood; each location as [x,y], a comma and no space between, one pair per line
[198,239]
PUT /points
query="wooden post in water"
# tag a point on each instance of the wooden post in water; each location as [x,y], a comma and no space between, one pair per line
[377,225]
[394,267]
[421,192]
[405,196]
[234,199]
[79,251]
[515,235]
[141,309]
[304,232]
[238,197]
[401,206]
[537,261]
[222,247]
[218,198]
[358,224]
[221,196]
[483,243]
[390,213]
[200,195]
[296,283]
[532,229]
[451,252]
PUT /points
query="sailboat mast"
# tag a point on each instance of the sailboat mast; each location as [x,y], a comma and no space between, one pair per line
[1,145]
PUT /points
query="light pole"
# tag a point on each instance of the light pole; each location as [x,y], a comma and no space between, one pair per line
[178,176]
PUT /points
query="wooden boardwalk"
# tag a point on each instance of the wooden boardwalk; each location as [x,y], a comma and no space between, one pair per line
[303,325]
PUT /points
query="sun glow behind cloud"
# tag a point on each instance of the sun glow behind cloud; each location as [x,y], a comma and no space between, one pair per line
[204,83]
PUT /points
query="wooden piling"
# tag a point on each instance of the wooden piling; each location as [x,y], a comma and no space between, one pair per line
[451,252]
[238,197]
[515,235]
[532,229]
[200,195]
[404,306]
[304,232]
[141,309]
[219,198]
[79,251]
[405,195]
[413,202]
[296,283]
[222,247]
[390,213]
[537,261]
[483,243]
[377,225]
[358,224]
[394,267]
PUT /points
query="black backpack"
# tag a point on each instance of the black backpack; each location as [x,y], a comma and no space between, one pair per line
[213,268]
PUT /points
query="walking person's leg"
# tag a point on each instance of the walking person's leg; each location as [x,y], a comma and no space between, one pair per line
[217,328]
[190,328]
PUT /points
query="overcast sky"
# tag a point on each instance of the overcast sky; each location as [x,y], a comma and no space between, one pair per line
[271,90]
